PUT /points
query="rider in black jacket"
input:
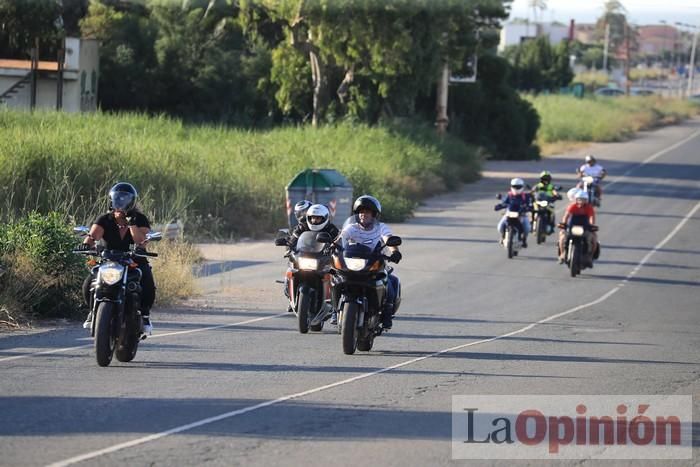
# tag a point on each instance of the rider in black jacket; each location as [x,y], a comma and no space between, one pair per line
[123,226]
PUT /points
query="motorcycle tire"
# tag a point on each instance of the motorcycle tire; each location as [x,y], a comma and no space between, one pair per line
[541,231]
[105,341]
[575,264]
[303,305]
[349,327]
[365,344]
[509,239]
[129,341]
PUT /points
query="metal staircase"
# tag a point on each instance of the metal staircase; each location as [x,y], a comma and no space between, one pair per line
[16,88]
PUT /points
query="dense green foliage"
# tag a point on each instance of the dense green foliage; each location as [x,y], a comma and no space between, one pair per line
[219,181]
[43,277]
[539,66]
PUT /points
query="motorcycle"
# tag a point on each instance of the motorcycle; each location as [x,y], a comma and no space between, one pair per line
[361,277]
[589,184]
[115,298]
[308,281]
[543,215]
[577,246]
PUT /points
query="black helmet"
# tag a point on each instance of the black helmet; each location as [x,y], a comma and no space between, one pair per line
[122,196]
[367,202]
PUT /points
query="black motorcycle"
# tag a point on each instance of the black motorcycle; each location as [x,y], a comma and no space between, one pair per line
[543,215]
[308,280]
[577,246]
[115,299]
[361,280]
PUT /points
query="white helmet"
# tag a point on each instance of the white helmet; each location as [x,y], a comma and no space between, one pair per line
[517,185]
[317,217]
[581,194]
[590,158]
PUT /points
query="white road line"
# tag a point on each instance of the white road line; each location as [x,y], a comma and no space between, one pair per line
[234,413]
[175,333]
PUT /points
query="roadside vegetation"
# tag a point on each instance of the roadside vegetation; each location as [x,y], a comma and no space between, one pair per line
[566,119]
[219,182]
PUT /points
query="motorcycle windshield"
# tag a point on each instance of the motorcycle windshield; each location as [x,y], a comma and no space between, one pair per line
[542,196]
[307,243]
[357,250]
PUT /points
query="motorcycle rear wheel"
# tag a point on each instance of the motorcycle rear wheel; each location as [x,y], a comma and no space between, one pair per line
[129,340]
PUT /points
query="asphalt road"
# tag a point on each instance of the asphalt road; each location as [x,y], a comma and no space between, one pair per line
[227,380]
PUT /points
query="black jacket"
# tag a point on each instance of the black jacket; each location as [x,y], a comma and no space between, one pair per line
[302,227]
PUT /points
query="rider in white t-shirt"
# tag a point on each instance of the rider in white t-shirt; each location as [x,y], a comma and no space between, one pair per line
[592,169]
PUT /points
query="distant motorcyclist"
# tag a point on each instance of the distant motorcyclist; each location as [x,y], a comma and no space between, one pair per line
[120,228]
[583,209]
[545,186]
[365,228]
[517,200]
[591,168]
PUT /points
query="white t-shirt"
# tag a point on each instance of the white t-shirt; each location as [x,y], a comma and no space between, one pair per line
[355,233]
[595,171]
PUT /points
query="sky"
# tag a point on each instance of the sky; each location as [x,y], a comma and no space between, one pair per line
[639,11]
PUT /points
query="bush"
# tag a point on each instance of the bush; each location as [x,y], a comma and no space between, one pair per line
[43,277]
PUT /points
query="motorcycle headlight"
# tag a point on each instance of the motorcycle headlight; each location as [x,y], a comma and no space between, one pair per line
[355,264]
[577,230]
[513,214]
[110,273]
[543,203]
[308,264]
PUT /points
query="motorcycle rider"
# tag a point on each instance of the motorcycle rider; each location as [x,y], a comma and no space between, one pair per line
[591,168]
[121,227]
[315,218]
[365,228]
[319,223]
[580,207]
[545,186]
[519,201]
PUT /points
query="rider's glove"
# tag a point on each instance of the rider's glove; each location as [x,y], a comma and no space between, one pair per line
[497,207]
[84,247]
[395,256]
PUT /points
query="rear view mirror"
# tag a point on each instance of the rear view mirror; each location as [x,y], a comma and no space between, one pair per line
[499,196]
[393,241]
[154,236]
[323,237]
[558,187]
[281,241]
[81,230]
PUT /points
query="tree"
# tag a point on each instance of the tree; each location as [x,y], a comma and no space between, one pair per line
[24,21]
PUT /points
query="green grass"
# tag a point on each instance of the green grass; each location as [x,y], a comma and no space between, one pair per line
[218,181]
[568,119]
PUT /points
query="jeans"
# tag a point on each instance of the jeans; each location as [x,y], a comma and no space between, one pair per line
[524,220]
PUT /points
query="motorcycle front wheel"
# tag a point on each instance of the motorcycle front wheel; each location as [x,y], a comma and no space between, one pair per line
[349,328]
[104,338]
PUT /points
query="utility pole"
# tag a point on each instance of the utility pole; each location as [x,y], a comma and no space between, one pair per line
[627,59]
[692,62]
[605,47]
[442,120]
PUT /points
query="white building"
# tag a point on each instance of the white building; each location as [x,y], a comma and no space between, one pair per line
[516,32]
[80,77]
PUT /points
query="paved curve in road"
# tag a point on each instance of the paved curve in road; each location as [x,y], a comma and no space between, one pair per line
[227,380]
